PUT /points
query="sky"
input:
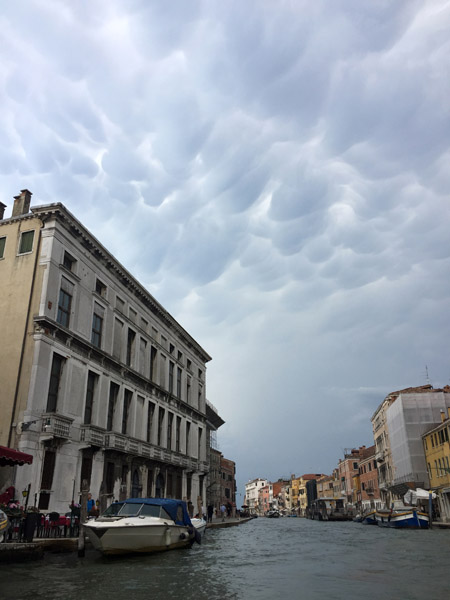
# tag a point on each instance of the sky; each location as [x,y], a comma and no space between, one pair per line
[275,173]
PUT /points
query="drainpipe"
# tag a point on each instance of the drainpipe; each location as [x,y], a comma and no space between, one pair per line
[22,352]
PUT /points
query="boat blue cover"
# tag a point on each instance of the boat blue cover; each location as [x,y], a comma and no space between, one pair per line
[171,506]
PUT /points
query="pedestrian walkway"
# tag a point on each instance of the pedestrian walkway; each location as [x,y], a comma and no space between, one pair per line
[217,522]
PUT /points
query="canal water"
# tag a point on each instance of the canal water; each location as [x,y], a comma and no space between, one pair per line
[261,559]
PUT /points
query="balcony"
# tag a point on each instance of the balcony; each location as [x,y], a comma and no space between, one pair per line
[116,441]
[94,436]
[380,456]
[56,425]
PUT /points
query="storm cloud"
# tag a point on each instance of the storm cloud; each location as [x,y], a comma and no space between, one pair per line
[276,174]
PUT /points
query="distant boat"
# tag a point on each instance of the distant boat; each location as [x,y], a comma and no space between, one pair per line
[330,509]
[142,525]
[273,514]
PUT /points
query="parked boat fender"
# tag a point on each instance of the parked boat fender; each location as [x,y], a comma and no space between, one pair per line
[167,536]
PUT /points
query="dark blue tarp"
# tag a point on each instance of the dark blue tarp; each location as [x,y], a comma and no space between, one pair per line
[171,506]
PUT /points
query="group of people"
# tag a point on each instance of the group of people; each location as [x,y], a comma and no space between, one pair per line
[222,512]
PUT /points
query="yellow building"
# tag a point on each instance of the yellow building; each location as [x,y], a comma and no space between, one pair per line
[302,491]
[294,492]
[437,455]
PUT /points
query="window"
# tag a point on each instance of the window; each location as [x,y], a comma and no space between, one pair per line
[188,437]
[64,302]
[160,425]
[97,325]
[178,382]
[100,288]
[188,389]
[200,437]
[153,355]
[189,365]
[69,262]
[171,348]
[151,412]
[2,246]
[144,324]
[169,430]
[130,346]
[64,305]
[126,410]
[113,395]
[55,379]
[178,434]
[355,466]
[110,477]
[26,242]
[180,355]
[90,391]
[133,315]
[171,369]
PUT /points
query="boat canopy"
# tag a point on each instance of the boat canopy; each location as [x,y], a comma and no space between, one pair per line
[412,496]
[176,509]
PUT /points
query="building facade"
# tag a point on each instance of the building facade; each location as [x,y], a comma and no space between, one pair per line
[99,382]
[436,443]
[398,424]
[228,481]
[252,494]
[368,495]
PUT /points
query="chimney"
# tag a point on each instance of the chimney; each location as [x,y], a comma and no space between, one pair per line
[21,203]
[2,210]
[443,416]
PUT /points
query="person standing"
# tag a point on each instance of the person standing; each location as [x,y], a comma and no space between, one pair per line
[90,503]
[210,512]
[222,511]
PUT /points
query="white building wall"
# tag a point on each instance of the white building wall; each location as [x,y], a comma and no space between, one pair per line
[408,418]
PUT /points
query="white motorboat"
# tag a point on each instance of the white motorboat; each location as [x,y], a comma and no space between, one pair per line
[200,525]
[142,525]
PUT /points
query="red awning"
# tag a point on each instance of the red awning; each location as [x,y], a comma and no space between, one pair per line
[10,457]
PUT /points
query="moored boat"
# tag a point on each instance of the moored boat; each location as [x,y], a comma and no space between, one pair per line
[142,525]
[200,526]
[369,518]
[401,516]
[330,509]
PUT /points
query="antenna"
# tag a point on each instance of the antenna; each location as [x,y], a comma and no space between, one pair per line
[427,377]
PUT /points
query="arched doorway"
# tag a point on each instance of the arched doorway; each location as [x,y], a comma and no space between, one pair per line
[159,486]
[135,485]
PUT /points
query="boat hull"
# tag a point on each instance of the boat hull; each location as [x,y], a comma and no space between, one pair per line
[369,519]
[138,539]
[409,519]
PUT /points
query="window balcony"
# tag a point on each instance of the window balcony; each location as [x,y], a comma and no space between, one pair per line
[116,441]
[380,456]
[56,425]
[94,436]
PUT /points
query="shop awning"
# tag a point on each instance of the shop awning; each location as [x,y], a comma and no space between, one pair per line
[10,457]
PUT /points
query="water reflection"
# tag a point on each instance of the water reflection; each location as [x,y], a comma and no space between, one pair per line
[263,559]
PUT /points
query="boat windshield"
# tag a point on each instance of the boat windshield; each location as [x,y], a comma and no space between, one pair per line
[123,509]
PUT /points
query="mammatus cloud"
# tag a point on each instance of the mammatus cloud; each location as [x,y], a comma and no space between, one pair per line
[285,173]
